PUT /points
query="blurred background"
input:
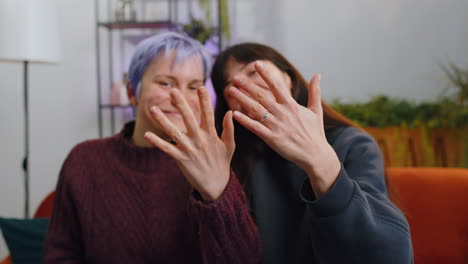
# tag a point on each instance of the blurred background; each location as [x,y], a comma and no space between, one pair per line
[399,68]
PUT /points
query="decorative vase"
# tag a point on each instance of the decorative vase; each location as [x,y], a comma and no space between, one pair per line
[125,11]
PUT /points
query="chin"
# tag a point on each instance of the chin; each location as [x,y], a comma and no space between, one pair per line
[179,123]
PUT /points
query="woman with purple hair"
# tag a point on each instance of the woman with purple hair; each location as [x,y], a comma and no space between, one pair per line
[160,191]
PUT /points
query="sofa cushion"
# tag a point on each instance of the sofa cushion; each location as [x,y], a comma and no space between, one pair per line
[435,202]
[25,238]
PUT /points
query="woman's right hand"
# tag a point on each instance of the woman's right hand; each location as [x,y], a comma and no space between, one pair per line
[202,156]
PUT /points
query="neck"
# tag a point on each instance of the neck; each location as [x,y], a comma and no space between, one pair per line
[139,133]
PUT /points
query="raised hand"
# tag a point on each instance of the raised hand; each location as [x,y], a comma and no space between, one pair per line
[293,131]
[202,156]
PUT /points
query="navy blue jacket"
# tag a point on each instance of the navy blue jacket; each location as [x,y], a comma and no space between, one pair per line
[354,222]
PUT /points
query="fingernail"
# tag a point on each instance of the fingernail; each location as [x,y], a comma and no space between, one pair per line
[147,135]
[175,93]
[237,80]
[231,90]
[259,64]
[319,76]
[154,110]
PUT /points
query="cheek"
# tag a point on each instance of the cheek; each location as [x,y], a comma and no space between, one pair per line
[193,102]
[258,81]
[233,104]
[153,94]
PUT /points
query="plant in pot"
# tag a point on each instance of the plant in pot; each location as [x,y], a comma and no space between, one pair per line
[458,79]
[414,134]
[203,29]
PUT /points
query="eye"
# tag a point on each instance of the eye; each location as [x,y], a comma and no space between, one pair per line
[252,74]
[165,84]
[195,86]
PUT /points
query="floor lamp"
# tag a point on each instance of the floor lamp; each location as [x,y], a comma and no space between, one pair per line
[29,34]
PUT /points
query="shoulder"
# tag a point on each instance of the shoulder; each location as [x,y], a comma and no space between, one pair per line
[346,139]
[89,147]
[360,155]
[85,155]
[339,134]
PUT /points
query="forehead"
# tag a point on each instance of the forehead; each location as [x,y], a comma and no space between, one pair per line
[168,63]
[233,66]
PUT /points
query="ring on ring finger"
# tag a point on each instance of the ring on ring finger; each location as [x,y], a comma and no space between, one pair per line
[178,135]
[264,117]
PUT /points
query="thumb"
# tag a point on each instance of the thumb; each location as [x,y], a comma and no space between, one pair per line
[315,97]
[228,133]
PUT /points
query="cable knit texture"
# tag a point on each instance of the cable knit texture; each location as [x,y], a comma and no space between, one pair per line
[119,203]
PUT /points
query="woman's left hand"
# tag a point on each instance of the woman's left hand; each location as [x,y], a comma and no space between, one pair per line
[293,131]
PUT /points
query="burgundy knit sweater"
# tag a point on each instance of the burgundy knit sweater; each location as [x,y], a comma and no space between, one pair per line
[119,203]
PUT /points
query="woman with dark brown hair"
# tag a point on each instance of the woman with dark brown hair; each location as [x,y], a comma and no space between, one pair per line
[315,181]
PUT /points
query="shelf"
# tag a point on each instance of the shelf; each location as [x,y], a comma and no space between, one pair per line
[137,25]
[117,40]
[114,106]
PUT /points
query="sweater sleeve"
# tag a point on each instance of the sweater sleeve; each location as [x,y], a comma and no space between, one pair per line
[226,229]
[355,222]
[63,241]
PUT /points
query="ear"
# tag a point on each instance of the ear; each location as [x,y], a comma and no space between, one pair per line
[131,97]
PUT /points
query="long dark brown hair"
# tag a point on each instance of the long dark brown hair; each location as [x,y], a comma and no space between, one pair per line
[248,146]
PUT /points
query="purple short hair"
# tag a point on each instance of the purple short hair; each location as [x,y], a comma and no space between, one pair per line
[151,47]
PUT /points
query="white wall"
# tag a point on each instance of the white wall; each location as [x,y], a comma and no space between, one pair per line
[362,47]
[62,111]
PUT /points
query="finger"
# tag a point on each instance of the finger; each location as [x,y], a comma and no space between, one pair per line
[255,127]
[228,133]
[273,82]
[188,116]
[315,98]
[254,109]
[258,93]
[207,113]
[171,130]
[163,145]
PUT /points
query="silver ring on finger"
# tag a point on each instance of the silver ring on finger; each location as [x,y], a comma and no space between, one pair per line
[178,135]
[264,117]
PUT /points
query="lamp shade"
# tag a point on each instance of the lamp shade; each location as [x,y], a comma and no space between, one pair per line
[29,31]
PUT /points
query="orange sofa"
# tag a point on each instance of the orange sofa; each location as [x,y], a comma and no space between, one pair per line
[435,202]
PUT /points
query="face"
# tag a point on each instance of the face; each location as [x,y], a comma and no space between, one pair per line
[159,78]
[247,70]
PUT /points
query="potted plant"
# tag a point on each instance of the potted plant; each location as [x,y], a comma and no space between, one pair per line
[458,79]
[202,29]
[414,134]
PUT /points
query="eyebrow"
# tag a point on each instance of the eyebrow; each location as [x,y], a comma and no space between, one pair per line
[172,77]
[164,76]
[196,81]
[230,81]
